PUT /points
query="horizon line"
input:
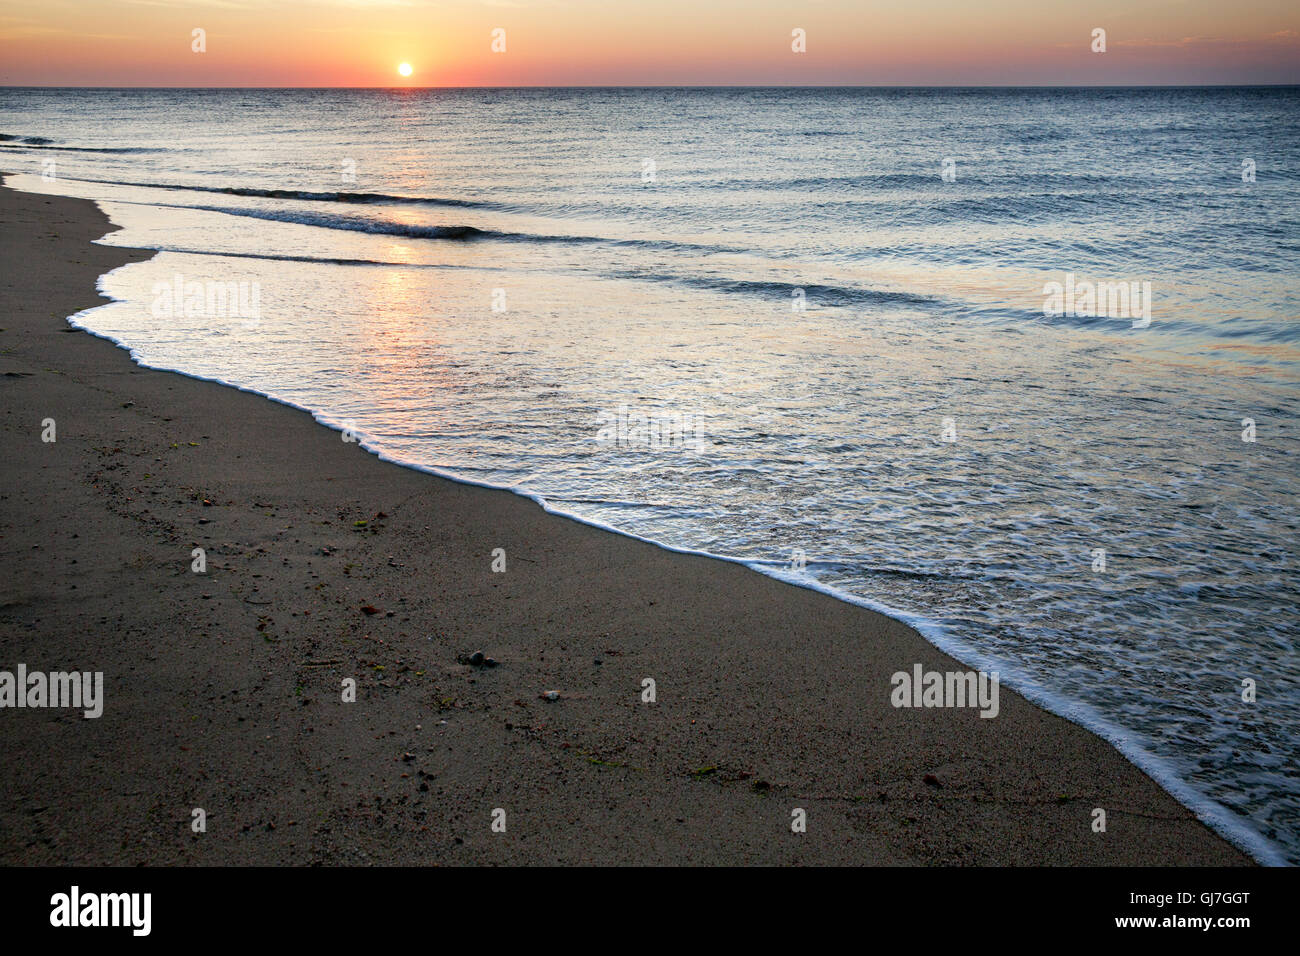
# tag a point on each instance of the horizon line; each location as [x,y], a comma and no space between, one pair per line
[710,86]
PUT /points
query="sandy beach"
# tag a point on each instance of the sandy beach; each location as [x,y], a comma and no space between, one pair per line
[223,689]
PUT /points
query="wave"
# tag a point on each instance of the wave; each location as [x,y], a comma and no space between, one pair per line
[348,197]
[318,260]
[929,181]
[376,227]
[818,295]
[306,195]
[35,142]
[384,227]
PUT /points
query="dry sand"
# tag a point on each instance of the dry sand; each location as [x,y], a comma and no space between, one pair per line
[223,689]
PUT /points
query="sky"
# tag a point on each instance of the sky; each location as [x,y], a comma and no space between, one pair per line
[647,42]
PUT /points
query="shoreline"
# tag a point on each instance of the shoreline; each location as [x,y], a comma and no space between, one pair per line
[753,717]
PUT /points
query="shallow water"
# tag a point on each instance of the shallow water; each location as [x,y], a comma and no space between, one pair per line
[805,309]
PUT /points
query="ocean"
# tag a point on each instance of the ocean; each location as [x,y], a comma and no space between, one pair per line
[1018,366]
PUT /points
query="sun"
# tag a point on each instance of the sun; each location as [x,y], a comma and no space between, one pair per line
[405,69]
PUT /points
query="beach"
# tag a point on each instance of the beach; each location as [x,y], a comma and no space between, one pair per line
[223,690]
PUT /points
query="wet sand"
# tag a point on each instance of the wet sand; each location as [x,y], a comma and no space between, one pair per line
[223,689]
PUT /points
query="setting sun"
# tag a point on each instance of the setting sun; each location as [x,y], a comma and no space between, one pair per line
[405,69]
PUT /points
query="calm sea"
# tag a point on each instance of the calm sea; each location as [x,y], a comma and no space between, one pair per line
[805,329]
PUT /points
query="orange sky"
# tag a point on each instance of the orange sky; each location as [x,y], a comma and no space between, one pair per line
[651,42]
